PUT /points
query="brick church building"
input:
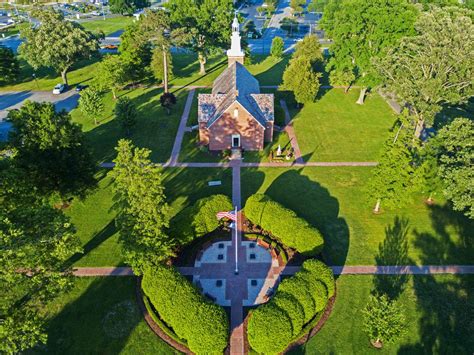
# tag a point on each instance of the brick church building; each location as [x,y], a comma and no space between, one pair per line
[235,114]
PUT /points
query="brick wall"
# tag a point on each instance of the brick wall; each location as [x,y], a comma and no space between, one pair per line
[220,133]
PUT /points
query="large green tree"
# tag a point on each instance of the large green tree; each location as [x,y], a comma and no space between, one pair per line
[126,113]
[91,104]
[143,213]
[436,66]
[56,43]
[300,78]
[110,74]
[9,66]
[277,47]
[361,31]
[36,240]
[309,48]
[207,24]
[455,150]
[392,180]
[51,149]
[135,53]
[127,7]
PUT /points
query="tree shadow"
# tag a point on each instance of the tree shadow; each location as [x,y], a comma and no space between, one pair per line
[442,247]
[99,320]
[446,302]
[100,237]
[393,251]
[313,202]
[273,75]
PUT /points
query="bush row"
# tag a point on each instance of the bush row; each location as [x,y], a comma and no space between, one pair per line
[203,324]
[298,300]
[284,224]
[199,219]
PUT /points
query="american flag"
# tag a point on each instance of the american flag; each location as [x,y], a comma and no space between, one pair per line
[230,215]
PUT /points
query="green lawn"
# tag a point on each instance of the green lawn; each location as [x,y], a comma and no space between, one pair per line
[335,128]
[94,217]
[335,201]
[100,316]
[109,25]
[438,310]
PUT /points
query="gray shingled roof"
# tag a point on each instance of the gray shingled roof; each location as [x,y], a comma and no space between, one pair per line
[235,84]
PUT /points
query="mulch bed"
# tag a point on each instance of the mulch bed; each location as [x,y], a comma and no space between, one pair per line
[153,326]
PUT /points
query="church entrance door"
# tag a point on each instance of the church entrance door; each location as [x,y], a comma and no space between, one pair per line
[235,141]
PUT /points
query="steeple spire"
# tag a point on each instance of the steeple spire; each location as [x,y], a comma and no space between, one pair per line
[235,53]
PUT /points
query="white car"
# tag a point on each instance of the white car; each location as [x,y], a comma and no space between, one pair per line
[58,89]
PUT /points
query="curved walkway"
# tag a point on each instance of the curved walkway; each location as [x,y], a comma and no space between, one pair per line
[338,270]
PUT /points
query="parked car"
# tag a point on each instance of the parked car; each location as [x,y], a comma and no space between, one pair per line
[59,88]
[110,47]
[80,87]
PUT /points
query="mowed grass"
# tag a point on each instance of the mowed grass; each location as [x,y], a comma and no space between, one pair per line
[155,128]
[334,199]
[438,311]
[335,128]
[100,316]
[94,216]
[109,25]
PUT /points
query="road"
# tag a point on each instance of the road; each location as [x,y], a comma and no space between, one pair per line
[15,99]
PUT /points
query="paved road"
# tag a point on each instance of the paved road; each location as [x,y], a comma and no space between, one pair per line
[15,99]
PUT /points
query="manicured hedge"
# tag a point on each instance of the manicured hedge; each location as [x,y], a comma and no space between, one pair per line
[284,224]
[302,298]
[203,324]
[199,219]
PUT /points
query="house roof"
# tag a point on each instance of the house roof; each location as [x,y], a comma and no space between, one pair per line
[235,84]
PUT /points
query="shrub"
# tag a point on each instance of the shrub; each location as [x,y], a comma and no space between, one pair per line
[204,325]
[200,219]
[301,298]
[284,224]
[269,329]
[322,272]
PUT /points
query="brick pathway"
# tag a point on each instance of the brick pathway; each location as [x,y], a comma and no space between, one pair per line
[289,270]
[291,133]
[182,128]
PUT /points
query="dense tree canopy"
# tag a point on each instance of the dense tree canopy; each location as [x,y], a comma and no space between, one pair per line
[135,53]
[300,78]
[142,209]
[277,47]
[52,150]
[361,31]
[110,74]
[127,7]
[126,113]
[436,66]
[455,150]
[91,104]
[56,43]
[37,238]
[9,66]
[206,23]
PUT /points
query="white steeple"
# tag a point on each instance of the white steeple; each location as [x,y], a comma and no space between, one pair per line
[235,53]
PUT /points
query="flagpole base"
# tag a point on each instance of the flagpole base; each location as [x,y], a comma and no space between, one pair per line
[236,272]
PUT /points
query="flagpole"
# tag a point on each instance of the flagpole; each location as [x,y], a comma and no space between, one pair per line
[236,242]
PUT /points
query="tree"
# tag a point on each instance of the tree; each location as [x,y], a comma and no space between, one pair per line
[142,209]
[90,103]
[277,47]
[51,149]
[344,77]
[361,31]
[206,23]
[167,101]
[392,179]
[110,74]
[309,48]
[157,65]
[297,6]
[9,66]
[56,43]
[156,28]
[384,320]
[300,77]
[427,173]
[135,53]
[455,150]
[37,238]
[126,114]
[317,5]
[289,25]
[127,7]
[435,67]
